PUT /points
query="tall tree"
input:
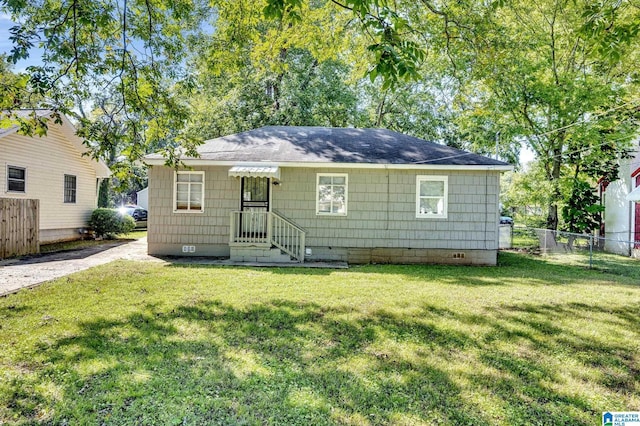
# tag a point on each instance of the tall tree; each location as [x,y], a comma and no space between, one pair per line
[542,71]
[131,49]
[309,92]
[255,71]
[558,75]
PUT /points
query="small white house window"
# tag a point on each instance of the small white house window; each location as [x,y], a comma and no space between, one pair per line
[189,192]
[431,197]
[16,179]
[69,189]
[331,196]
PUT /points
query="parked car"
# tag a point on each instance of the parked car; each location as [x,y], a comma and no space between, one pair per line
[506,220]
[136,212]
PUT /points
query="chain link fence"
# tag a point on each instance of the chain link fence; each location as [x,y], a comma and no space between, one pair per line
[591,251]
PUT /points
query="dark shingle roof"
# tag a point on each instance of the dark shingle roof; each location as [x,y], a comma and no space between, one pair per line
[284,144]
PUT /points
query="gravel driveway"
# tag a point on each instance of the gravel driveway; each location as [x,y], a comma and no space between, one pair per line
[16,274]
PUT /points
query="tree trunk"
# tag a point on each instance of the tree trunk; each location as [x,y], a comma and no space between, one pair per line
[380,113]
[282,56]
[552,217]
[556,163]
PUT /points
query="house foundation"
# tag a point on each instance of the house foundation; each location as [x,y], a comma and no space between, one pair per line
[358,255]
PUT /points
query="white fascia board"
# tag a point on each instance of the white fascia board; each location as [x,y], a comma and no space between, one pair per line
[8,131]
[14,128]
[198,162]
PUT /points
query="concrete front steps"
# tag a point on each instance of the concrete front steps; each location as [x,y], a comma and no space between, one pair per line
[247,253]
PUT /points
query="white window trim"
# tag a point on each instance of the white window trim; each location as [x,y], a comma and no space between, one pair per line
[346,193]
[422,178]
[64,189]
[7,179]
[175,192]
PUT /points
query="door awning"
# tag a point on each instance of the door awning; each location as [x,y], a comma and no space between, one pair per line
[255,171]
[634,195]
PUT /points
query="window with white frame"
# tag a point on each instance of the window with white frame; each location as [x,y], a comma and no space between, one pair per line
[16,179]
[431,196]
[69,189]
[189,192]
[331,196]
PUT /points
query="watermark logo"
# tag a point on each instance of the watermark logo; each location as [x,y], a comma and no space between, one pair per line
[621,418]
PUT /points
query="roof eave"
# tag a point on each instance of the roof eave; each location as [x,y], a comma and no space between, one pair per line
[14,128]
[200,162]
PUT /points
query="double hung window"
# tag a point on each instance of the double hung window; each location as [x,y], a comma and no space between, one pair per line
[331,195]
[16,179]
[431,197]
[70,189]
[189,192]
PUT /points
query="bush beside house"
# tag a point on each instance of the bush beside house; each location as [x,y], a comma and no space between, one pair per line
[109,222]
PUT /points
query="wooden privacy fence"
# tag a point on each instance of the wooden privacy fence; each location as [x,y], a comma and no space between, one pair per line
[19,227]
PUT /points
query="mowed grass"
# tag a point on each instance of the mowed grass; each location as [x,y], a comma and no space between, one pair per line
[528,342]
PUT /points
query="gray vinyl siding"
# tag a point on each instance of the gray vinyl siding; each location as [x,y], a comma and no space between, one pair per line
[222,195]
[381,210]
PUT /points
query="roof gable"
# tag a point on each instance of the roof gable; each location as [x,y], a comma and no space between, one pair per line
[68,130]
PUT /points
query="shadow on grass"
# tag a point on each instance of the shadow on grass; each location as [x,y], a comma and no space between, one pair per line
[301,363]
[611,357]
[272,363]
[612,264]
[581,260]
[202,263]
[11,311]
[512,269]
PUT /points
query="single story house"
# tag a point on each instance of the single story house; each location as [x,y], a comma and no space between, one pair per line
[54,170]
[621,200]
[314,193]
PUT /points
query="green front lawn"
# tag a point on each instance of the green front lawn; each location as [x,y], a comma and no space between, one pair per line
[529,342]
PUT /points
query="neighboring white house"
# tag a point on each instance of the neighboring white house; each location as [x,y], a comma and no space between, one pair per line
[622,215]
[142,198]
[53,170]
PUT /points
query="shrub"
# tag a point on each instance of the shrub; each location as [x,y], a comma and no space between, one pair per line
[109,222]
[127,224]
